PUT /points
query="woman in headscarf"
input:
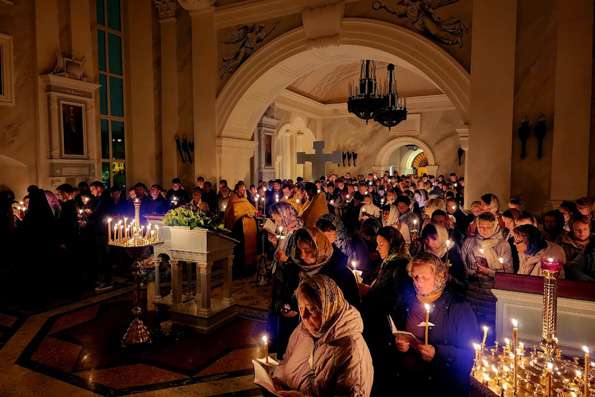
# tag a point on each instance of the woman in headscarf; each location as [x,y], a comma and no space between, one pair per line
[326,355]
[309,253]
[353,247]
[390,217]
[435,241]
[533,249]
[378,299]
[442,366]
[485,254]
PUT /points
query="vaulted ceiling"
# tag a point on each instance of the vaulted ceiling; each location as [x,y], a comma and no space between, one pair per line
[330,84]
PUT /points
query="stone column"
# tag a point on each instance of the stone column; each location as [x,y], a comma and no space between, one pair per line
[492,98]
[204,86]
[141,150]
[47,42]
[231,154]
[204,292]
[463,134]
[266,127]
[572,102]
[227,282]
[176,282]
[169,88]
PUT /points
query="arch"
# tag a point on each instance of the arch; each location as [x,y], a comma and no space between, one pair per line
[252,88]
[407,161]
[383,156]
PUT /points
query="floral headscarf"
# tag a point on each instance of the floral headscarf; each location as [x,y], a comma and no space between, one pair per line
[323,249]
[289,216]
[343,240]
[331,298]
[440,272]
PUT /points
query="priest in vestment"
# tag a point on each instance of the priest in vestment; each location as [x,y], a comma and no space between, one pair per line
[239,218]
[315,207]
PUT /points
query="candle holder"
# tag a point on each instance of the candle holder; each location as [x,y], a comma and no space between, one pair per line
[136,241]
[543,372]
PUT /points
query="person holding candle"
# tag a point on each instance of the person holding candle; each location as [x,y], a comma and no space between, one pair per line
[434,240]
[533,249]
[441,367]
[326,355]
[378,299]
[239,218]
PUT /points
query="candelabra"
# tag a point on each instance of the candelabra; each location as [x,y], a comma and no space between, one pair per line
[510,371]
[135,240]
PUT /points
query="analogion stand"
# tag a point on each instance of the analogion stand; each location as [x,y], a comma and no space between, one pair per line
[211,252]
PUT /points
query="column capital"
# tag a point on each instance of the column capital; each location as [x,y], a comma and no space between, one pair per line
[463,134]
[194,6]
[166,8]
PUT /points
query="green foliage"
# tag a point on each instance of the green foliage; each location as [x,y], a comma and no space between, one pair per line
[182,216]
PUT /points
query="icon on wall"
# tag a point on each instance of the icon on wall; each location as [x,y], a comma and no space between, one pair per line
[73,129]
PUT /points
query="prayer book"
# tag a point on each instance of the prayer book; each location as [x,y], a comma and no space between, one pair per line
[270,226]
[412,339]
[263,379]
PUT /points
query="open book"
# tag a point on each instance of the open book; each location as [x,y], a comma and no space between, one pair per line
[412,339]
[263,379]
[270,226]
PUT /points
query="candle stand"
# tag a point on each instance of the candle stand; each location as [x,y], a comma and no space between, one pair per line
[511,371]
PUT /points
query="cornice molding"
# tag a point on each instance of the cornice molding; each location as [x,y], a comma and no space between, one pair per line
[166,8]
[261,10]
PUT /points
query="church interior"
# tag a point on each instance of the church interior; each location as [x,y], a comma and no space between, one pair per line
[222,197]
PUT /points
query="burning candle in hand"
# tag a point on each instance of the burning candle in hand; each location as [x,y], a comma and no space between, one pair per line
[427,307]
[265,345]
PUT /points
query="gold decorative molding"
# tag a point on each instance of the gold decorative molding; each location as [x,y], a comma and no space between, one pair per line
[167,8]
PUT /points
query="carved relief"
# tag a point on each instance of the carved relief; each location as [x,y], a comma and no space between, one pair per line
[422,16]
[247,39]
[166,8]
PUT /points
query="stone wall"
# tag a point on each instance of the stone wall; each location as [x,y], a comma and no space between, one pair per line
[18,123]
[349,134]
[534,95]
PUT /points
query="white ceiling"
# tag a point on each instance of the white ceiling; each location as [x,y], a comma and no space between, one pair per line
[329,84]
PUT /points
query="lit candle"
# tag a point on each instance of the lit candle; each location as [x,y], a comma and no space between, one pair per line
[506,345]
[297,201]
[152,235]
[265,344]
[586,372]
[276,198]
[454,207]
[332,202]
[156,232]
[427,322]
[109,230]
[448,244]
[515,342]
[356,273]
[501,260]
[115,232]
[485,336]
[550,369]
[121,231]
[125,223]
[481,251]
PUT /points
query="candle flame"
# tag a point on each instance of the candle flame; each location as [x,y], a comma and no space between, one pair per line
[485,328]
[550,260]
[586,349]
[507,341]
[109,220]
[514,322]
[265,339]
[427,307]
[501,260]
[476,346]
[550,366]
[354,265]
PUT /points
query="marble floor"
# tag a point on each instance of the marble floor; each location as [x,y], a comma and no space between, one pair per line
[74,350]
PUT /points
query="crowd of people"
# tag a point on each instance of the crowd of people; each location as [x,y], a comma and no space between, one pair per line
[348,256]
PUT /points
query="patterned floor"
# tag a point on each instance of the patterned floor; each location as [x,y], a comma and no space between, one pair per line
[82,347]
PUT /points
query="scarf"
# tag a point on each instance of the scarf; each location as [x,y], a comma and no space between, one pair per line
[441,276]
[392,218]
[488,244]
[343,240]
[442,237]
[323,248]
[333,303]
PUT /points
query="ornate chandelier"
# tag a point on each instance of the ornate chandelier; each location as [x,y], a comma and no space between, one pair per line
[367,103]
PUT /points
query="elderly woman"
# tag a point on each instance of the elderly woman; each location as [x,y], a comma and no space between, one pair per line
[390,217]
[533,249]
[326,355]
[442,366]
[309,253]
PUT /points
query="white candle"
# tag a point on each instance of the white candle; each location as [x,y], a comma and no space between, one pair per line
[109,229]
[427,308]
[156,232]
[265,343]
[485,336]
